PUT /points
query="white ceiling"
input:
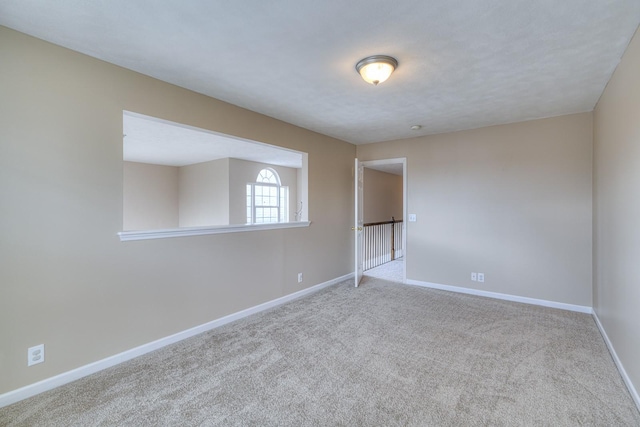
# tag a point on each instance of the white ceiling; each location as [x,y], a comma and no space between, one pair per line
[150,140]
[462,63]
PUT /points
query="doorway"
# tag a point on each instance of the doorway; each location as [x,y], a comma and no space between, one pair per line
[381,243]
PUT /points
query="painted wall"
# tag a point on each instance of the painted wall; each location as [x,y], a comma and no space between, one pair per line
[204,194]
[66,279]
[511,201]
[242,172]
[150,196]
[616,293]
[382,196]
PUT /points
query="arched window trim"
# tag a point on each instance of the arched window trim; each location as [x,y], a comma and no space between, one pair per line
[267,176]
[267,199]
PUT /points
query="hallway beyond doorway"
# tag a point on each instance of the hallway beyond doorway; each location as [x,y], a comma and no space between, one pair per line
[392,271]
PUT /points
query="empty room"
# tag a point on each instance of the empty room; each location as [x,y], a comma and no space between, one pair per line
[317,213]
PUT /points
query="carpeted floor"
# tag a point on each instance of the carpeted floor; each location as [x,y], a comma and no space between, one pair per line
[392,271]
[383,354]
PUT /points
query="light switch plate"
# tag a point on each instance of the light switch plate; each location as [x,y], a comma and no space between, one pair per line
[412,217]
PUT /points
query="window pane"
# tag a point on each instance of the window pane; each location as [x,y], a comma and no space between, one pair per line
[249,205]
[267,176]
[268,201]
[284,204]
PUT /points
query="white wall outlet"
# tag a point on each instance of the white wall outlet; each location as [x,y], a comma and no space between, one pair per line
[35,355]
[480,277]
[412,218]
[299,277]
[474,277]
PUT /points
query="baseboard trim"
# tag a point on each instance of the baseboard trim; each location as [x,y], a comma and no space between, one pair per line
[616,360]
[83,371]
[506,297]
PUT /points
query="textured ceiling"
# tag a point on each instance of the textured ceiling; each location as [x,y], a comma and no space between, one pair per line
[462,63]
[150,140]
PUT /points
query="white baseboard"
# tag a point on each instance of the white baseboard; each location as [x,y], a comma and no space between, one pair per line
[507,297]
[623,373]
[75,374]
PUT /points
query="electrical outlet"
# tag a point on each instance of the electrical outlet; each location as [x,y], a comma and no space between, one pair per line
[480,277]
[474,277]
[299,277]
[35,355]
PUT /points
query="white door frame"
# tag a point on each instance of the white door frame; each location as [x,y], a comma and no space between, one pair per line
[403,162]
[359,220]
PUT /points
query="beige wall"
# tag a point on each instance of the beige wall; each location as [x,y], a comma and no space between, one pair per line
[382,196]
[617,210]
[150,196]
[242,172]
[512,202]
[66,279]
[204,194]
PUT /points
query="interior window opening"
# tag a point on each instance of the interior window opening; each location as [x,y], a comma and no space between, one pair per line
[178,177]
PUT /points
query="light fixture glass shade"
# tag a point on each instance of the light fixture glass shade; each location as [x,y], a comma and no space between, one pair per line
[376,69]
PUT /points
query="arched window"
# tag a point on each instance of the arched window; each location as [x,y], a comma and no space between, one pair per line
[267,200]
[268,176]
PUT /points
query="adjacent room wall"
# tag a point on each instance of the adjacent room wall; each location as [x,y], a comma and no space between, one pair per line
[382,196]
[150,196]
[511,201]
[617,211]
[204,194]
[66,279]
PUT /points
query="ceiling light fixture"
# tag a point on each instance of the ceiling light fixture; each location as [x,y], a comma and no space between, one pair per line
[377,68]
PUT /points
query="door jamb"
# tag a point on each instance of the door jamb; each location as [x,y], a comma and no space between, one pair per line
[403,161]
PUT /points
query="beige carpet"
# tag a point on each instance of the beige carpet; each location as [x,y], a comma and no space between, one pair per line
[383,354]
[392,271]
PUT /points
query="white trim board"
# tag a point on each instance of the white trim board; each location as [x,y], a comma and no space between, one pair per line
[83,371]
[616,360]
[126,236]
[506,297]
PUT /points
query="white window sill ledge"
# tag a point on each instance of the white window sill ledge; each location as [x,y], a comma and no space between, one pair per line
[201,231]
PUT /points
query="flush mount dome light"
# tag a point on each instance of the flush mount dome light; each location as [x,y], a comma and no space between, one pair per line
[376,69]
